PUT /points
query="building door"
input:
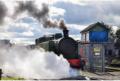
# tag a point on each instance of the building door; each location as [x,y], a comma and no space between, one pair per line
[98,54]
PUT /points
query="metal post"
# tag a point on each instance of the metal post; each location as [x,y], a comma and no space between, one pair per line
[91,58]
[0,73]
[103,58]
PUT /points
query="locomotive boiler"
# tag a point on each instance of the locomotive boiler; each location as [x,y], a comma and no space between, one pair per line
[64,45]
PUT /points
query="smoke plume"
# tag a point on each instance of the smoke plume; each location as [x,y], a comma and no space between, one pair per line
[62,25]
[3,12]
[32,10]
[53,24]
[40,15]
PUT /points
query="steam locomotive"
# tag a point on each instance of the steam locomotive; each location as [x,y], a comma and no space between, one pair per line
[64,45]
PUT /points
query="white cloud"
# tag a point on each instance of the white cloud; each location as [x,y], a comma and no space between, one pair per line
[23,41]
[76,26]
[91,12]
[28,33]
[115,28]
[20,32]
[54,11]
[112,19]
[76,37]
[21,24]
[17,32]
[77,2]
[6,35]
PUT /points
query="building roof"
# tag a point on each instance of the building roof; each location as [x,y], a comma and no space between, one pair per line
[94,25]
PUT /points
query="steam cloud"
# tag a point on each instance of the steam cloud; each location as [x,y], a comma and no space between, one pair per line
[32,64]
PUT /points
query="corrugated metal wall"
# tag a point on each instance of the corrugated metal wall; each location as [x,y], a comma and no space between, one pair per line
[94,56]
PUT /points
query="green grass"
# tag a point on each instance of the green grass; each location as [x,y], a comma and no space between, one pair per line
[12,78]
[112,69]
[116,61]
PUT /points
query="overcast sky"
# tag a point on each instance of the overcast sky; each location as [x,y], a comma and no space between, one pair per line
[78,14]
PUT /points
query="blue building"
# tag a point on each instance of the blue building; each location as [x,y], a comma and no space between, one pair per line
[96,46]
[97,32]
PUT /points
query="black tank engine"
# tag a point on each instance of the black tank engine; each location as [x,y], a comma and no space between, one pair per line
[65,45]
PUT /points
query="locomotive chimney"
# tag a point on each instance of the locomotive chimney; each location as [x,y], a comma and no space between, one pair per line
[66,33]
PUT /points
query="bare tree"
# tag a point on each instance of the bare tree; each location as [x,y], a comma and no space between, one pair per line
[117,42]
